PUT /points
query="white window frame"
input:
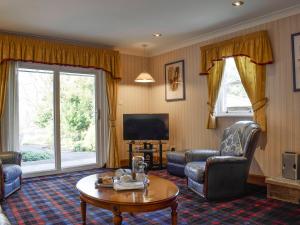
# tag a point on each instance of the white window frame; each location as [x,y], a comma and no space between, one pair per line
[219,112]
[101,110]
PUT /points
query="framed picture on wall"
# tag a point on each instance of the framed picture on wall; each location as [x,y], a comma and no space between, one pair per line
[296,60]
[174,81]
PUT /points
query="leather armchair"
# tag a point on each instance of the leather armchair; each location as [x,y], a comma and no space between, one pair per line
[10,173]
[218,175]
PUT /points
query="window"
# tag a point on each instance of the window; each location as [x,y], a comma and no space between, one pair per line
[233,99]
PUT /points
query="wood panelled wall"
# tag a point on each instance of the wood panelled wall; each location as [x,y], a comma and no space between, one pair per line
[188,118]
[132,97]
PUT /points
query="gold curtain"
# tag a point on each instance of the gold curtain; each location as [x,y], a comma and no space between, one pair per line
[28,49]
[4,71]
[253,78]
[214,82]
[113,160]
[21,48]
[256,46]
[251,52]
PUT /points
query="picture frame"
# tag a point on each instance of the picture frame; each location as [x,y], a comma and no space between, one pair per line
[175,81]
[295,38]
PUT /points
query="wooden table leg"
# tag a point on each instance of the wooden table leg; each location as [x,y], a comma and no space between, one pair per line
[174,212]
[117,216]
[83,211]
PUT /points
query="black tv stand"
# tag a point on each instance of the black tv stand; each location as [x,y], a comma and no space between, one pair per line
[148,151]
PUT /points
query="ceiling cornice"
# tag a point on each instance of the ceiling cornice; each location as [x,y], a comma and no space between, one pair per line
[184,43]
[62,40]
[134,52]
[230,29]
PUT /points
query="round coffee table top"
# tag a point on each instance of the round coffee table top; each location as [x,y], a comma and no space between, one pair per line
[158,190]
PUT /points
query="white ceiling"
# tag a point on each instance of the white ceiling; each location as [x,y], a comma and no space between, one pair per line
[127,24]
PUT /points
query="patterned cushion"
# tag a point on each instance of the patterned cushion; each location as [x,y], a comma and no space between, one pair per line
[231,145]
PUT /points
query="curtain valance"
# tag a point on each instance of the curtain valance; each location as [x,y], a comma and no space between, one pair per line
[22,48]
[256,46]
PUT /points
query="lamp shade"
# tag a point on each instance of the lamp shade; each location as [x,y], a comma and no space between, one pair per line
[144,78]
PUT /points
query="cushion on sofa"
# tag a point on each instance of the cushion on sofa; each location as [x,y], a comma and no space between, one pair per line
[195,171]
[11,172]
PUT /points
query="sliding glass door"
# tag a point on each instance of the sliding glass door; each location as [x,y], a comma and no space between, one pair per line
[77,119]
[36,124]
[57,117]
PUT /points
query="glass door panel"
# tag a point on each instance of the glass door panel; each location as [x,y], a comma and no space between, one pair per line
[77,119]
[36,124]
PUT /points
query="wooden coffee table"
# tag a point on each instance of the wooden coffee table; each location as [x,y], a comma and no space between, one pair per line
[159,194]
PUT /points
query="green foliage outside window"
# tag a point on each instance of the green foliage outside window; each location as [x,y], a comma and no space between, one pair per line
[30,156]
[77,114]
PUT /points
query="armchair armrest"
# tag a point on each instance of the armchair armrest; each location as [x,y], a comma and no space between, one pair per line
[200,155]
[225,176]
[11,158]
[225,160]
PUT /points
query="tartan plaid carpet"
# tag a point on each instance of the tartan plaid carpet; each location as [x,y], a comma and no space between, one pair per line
[54,200]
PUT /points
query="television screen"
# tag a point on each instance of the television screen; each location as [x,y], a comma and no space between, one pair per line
[146,127]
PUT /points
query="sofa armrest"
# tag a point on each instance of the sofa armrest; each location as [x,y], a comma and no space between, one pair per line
[11,157]
[200,155]
[225,177]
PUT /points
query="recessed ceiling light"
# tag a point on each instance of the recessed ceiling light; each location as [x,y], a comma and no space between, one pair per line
[237,3]
[157,34]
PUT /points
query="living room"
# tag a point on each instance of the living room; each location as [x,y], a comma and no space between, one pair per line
[73,74]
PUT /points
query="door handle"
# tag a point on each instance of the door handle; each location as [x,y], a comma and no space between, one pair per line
[98,114]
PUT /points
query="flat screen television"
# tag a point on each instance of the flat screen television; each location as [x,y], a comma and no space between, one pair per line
[146,127]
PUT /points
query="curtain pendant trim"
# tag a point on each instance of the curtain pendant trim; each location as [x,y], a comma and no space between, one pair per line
[241,55]
[256,46]
[38,50]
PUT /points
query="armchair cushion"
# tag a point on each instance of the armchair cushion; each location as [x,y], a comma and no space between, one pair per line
[231,145]
[195,171]
[11,172]
[200,155]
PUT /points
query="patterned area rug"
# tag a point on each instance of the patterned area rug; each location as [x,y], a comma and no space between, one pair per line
[54,200]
